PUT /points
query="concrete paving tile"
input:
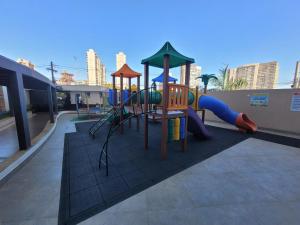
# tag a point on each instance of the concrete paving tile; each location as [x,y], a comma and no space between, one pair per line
[175,217]
[227,215]
[118,218]
[46,155]
[31,195]
[284,186]
[257,147]
[275,214]
[136,203]
[214,189]
[166,195]
[44,221]
[283,163]
[9,215]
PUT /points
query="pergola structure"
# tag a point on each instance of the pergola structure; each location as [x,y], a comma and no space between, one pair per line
[17,78]
[175,96]
[125,72]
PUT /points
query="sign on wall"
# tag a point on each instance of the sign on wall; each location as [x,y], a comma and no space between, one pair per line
[259,99]
[295,103]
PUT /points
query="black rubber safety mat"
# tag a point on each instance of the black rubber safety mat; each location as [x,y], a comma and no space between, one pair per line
[86,190]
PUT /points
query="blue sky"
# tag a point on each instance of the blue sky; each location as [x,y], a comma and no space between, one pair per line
[213,32]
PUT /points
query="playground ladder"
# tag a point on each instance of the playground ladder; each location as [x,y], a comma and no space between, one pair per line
[96,126]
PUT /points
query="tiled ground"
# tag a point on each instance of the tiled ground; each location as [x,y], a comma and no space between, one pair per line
[254,182]
[9,139]
[86,190]
[31,195]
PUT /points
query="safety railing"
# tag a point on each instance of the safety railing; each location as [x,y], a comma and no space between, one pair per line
[178,97]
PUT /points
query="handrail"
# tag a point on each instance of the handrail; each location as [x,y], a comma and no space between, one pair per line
[107,113]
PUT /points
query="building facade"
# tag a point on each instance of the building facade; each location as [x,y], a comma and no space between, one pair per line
[257,75]
[95,69]
[80,82]
[92,95]
[195,72]
[66,79]
[26,62]
[120,61]
[267,76]
[296,83]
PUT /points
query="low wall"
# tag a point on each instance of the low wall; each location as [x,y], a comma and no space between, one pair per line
[277,115]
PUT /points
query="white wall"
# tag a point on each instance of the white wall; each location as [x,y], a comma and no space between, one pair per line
[94,97]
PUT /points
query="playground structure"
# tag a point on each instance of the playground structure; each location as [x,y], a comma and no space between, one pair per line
[199,102]
[175,106]
[174,96]
[125,72]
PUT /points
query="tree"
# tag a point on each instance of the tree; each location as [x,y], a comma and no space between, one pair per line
[222,81]
[239,83]
[205,79]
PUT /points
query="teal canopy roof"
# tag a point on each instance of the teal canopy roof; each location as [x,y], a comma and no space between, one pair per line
[176,59]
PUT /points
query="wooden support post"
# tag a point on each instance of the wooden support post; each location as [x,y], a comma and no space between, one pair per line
[146,94]
[164,140]
[203,111]
[187,83]
[130,102]
[121,103]
[196,98]
[138,102]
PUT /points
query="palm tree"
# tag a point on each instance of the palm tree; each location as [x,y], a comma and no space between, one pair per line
[240,83]
[222,81]
[205,79]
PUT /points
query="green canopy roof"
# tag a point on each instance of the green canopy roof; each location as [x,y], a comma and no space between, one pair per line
[176,59]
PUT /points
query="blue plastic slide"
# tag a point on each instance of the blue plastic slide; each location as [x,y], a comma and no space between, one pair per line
[224,112]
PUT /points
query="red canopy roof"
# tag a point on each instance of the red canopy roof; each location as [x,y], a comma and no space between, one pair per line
[126,71]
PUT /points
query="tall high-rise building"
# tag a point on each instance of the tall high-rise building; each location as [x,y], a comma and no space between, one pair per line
[249,74]
[267,76]
[95,69]
[257,75]
[26,62]
[296,83]
[120,61]
[195,72]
